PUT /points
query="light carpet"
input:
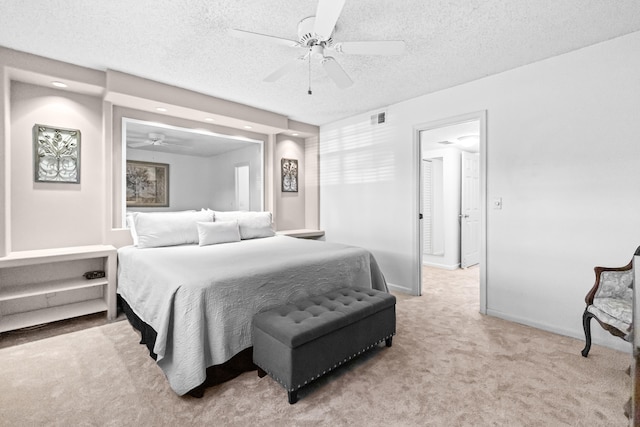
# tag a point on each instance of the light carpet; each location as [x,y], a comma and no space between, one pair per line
[448,366]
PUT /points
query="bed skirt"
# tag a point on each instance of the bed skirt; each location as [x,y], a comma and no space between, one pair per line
[216,374]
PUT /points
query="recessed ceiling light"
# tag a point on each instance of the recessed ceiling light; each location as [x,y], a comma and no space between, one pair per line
[58,84]
[468,140]
[208,119]
[161,109]
[247,127]
[294,134]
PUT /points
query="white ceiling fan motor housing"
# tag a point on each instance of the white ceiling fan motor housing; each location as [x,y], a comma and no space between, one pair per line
[307,36]
[156,137]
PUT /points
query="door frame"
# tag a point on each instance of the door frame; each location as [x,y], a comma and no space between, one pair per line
[480,116]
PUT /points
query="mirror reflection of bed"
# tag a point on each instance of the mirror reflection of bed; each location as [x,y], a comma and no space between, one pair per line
[206,169]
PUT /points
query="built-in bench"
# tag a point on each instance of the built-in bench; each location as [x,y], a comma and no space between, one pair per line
[301,341]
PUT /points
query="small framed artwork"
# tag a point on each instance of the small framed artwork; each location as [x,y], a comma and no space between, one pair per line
[56,154]
[147,184]
[289,175]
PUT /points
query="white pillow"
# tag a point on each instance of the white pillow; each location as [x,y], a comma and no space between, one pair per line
[156,229]
[252,224]
[132,226]
[255,224]
[212,233]
[226,215]
[209,210]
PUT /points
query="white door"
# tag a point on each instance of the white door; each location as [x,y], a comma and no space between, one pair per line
[470,210]
[242,188]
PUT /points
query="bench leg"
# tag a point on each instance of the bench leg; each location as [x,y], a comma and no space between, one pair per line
[388,341]
[293,396]
[261,373]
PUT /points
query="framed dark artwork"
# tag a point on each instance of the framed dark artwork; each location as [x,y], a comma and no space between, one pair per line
[56,154]
[289,175]
[147,184]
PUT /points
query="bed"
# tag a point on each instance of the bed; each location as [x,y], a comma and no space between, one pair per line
[194,304]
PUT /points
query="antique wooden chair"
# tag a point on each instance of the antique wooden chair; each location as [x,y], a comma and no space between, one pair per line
[610,302]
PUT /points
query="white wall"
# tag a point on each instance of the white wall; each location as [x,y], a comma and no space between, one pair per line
[222,194]
[290,207]
[49,215]
[311,184]
[562,152]
[365,188]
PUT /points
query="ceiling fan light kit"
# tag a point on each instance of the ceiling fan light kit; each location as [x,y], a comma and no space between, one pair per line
[316,35]
[153,139]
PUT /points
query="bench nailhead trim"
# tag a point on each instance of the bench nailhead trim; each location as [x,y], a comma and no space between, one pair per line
[286,387]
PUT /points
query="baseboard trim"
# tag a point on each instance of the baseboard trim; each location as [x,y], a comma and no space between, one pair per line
[617,344]
[443,266]
[402,289]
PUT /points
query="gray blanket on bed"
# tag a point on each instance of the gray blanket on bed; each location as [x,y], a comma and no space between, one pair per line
[201,300]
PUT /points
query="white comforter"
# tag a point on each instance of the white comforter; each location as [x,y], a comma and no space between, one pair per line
[201,300]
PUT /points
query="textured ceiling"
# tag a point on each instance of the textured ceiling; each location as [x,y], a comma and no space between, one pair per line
[186,43]
[447,136]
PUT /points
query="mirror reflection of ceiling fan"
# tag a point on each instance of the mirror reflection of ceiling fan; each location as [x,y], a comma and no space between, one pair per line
[154,139]
[315,36]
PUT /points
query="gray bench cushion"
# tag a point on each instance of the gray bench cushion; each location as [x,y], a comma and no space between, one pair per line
[299,322]
[299,342]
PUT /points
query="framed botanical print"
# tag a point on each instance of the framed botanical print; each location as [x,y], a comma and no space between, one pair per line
[56,154]
[147,184]
[289,175]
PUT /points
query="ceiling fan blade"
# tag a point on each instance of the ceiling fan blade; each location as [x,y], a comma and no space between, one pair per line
[139,144]
[248,35]
[285,69]
[166,144]
[327,15]
[335,71]
[383,47]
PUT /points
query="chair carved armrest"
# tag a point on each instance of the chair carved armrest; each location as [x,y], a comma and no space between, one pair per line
[598,271]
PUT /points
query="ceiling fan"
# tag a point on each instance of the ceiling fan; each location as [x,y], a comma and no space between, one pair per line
[154,139]
[315,36]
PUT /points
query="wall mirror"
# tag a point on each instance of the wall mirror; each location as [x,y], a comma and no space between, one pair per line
[171,168]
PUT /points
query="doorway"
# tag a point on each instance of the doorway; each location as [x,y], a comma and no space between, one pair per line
[452,195]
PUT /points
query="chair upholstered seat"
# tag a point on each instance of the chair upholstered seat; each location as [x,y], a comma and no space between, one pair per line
[613,311]
[610,302]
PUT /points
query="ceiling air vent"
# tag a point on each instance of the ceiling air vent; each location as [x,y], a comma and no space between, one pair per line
[378,119]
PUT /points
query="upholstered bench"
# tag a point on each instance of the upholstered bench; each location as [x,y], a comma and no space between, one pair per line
[298,342]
